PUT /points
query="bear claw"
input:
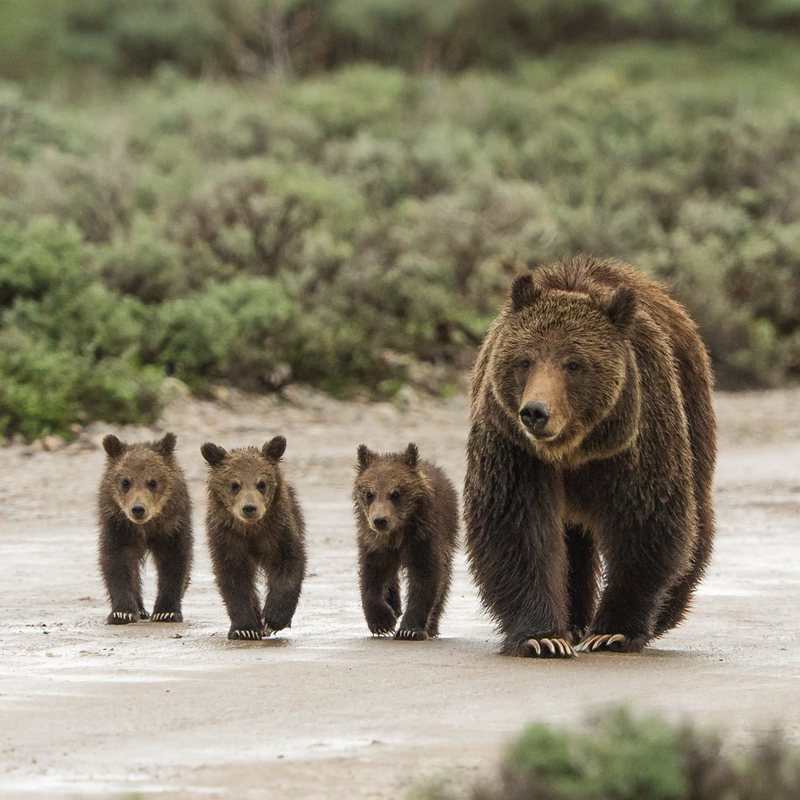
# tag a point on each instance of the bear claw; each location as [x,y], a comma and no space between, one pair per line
[381,631]
[613,642]
[167,616]
[550,647]
[245,633]
[411,634]
[122,617]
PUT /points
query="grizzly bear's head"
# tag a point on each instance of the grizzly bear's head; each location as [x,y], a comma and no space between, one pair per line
[560,361]
[388,488]
[141,477]
[245,480]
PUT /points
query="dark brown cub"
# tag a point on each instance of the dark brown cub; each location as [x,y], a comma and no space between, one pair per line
[255,526]
[407,516]
[144,507]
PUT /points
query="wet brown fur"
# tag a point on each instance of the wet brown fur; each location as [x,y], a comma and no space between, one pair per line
[144,475]
[420,509]
[626,476]
[271,542]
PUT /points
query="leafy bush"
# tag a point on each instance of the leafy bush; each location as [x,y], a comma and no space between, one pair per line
[623,757]
[247,38]
[337,229]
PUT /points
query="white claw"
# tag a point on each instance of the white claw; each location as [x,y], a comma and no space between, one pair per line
[536,646]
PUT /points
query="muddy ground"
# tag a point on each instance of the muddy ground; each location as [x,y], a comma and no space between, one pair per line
[172,711]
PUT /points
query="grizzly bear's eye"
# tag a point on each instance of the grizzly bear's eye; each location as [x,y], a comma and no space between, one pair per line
[394,494]
[151,484]
[261,486]
[235,486]
[125,483]
[524,363]
[369,496]
[573,366]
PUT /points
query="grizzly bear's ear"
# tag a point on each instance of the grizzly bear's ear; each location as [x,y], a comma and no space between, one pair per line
[411,455]
[274,448]
[166,445]
[213,453]
[523,292]
[621,307]
[365,457]
[113,446]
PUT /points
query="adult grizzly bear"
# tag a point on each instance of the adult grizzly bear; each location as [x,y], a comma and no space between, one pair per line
[144,507]
[592,434]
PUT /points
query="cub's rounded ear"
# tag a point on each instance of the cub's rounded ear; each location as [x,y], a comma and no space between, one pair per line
[113,446]
[365,457]
[213,453]
[274,448]
[523,291]
[166,445]
[411,455]
[621,307]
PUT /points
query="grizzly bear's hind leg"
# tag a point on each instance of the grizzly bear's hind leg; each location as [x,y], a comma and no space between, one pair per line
[582,581]
[393,597]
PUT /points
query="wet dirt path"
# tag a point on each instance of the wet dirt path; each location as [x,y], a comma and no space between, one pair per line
[172,711]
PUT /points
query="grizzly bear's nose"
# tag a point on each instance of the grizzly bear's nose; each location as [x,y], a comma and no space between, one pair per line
[380,522]
[138,510]
[248,509]
[534,415]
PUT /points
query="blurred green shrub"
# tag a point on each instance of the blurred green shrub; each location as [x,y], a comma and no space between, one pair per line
[623,757]
[333,230]
[252,37]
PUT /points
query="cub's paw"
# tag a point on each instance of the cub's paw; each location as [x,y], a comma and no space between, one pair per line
[167,616]
[252,634]
[381,621]
[610,643]
[411,634]
[540,647]
[123,617]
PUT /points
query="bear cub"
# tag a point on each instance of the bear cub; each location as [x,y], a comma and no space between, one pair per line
[144,507]
[407,518]
[255,525]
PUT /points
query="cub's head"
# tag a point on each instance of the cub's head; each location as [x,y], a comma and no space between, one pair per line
[558,366]
[141,477]
[245,480]
[388,488]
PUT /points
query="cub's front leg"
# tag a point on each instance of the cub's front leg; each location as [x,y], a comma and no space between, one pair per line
[378,571]
[121,552]
[284,584]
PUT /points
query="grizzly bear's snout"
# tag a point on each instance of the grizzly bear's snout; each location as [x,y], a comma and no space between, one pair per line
[249,510]
[535,415]
[380,523]
[138,511]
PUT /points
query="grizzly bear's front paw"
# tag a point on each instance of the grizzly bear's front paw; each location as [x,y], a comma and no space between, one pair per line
[381,620]
[411,634]
[123,617]
[539,647]
[611,643]
[246,633]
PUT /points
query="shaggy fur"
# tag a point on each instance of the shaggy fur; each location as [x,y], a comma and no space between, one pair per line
[592,434]
[254,525]
[144,507]
[407,518]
